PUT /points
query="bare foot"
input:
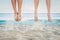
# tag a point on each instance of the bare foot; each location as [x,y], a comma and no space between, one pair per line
[19,17]
[36,18]
[16,17]
[49,18]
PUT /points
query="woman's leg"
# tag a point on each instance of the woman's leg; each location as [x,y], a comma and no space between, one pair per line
[14,7]
[36,2]
[19,9]
[48,8]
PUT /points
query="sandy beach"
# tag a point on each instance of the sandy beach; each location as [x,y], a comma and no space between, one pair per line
[37,31]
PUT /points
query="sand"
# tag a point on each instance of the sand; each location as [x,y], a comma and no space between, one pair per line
[29,32]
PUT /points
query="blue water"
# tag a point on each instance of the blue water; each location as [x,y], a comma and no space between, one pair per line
[44,22]
[2,21]
[55,18]
[55,22]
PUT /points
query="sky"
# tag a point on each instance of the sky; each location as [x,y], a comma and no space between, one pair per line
[28,6]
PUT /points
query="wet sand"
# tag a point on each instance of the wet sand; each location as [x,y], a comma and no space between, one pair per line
[36,31]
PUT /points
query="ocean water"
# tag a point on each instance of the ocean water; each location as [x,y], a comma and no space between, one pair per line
[28,18]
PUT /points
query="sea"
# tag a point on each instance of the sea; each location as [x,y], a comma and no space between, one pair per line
[29,16]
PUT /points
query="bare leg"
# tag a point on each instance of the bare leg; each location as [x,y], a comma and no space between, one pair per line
[36,7]
[48,8]
[19,9]
[14,7]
